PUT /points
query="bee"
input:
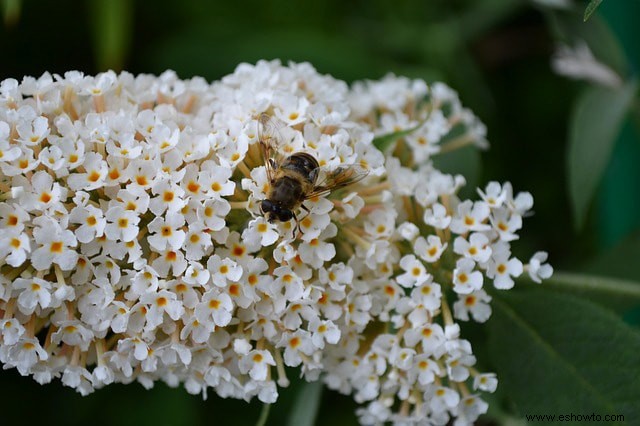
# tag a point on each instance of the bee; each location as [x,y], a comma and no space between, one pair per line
[297,177]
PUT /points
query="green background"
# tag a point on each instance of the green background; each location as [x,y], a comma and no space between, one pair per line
[495,53]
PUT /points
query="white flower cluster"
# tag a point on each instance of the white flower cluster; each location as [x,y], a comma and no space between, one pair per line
[132,246]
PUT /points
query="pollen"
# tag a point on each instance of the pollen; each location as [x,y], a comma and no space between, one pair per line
[168,196]
[147,275]
[470,300]
[295,342]
[92,221]
[131,206]
[238,250]
[171,256]
[114,174]
[208,211]
[389,290]
[322,328]
[216,187]
[73,158]
[293,116]
[235,156]
[503,227]
[23,164]
[416,271]
[224,269]
[427,332]
[94,176]
[468,220]
[253,279]
[426,290]
[161,301]
[463,278]
[501,268]
[194,238]
[473,250]
[380,229]
[45,197]
[257,358]
[422,365]
[262,227]
[287,278]
[306,222]
[142,180]
[123,222]
[193,186]
[214,304]
[56,247]
[234,290]
[28,346]
[35,287]
[440,392]
[12,220]
[422,140]
[70,329]
[181,288]
[166,231]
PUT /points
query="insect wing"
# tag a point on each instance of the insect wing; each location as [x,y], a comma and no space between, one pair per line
[270,139]
[339,178]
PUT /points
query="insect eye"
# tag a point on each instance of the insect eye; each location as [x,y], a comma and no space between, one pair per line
[286,215]
[266,206]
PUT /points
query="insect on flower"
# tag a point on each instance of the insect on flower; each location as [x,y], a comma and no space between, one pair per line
[297,177]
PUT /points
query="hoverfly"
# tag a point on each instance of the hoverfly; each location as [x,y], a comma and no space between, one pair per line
[296,178]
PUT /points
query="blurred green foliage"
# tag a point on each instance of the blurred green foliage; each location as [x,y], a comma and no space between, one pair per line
[496,53]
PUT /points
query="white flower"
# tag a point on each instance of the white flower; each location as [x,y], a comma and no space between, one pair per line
[470,217]
[167,232]
[95,175]
[579,63]
[55,245]
[14,247]
[477,248]
[415,272]
[35,292]
[538,269]
[257,363]
[260,231]
[223,270]
[92,222]
[476,304]
[501,268]
[215,308]
[121,224]
[465,278]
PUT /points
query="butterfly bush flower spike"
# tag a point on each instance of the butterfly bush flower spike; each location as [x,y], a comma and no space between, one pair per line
[133,246]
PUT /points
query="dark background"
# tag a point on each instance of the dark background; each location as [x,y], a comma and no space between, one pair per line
[496,53]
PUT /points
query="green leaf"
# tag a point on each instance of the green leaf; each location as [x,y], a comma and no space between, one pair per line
[595,124]
[112,23]
[591,7]
[558,354]
[616,293]
[383,142]
[306,405]
[620,261]
[11,12]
